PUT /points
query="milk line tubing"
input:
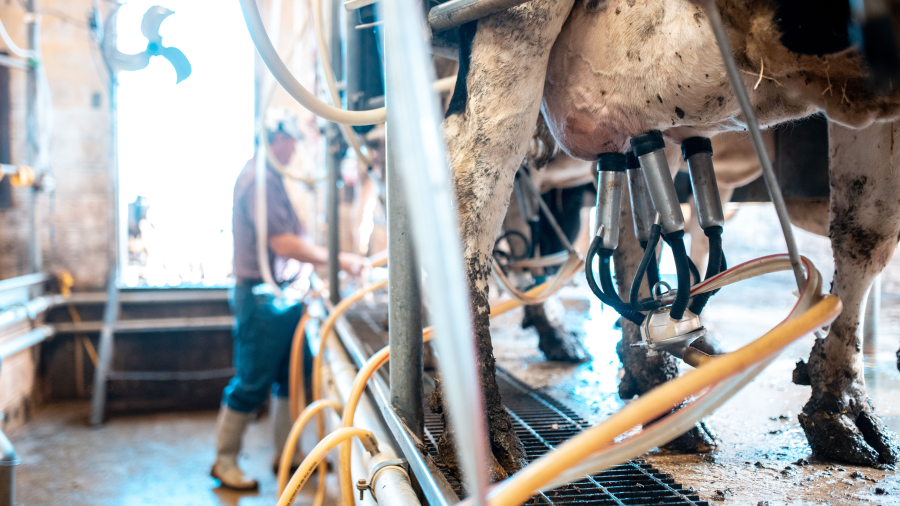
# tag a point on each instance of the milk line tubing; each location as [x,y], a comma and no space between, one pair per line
[656,215]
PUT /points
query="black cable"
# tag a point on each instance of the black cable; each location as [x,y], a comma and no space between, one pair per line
[607,294]
[647,261]
[715,266]
[675,241]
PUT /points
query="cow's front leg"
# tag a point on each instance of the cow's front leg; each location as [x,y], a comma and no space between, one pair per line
[644,373]
[839,419]
[489,122]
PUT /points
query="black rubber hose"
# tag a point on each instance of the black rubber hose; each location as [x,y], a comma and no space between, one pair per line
[611,298]
[647,262]
[715,266]
[652,266]
[695,272]
[609,289]
[675,241]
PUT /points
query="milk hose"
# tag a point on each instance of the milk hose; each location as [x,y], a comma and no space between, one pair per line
[717,373]
[648,262]
[290,445]
[607,294]
[296,387]
[675,240]
[716,265]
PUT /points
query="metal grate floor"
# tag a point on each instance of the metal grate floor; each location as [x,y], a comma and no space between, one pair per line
[541,423]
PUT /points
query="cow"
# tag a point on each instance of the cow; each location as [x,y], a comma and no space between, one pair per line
[604,71]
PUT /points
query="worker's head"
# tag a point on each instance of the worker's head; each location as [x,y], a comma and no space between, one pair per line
[283,133]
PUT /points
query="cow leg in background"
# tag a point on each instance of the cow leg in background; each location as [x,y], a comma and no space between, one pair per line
[643,373]
[839,420]
[554,340]
[489,123]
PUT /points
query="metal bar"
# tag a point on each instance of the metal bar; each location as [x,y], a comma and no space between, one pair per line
[23,281]
[404,289]
[8,462]
[333,162]
[715,20]
[26,311]
[35,259]
[457,12]
[430,479]
[151,295]
[435,225]
[149,324]
[25,341]
[110,314]
[170,375]
[547,213]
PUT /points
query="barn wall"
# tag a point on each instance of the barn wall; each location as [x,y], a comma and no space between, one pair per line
[73,221]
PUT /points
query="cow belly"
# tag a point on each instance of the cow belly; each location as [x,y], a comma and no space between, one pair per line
[634,66]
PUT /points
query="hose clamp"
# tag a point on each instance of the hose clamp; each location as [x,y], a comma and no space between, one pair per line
[400,464]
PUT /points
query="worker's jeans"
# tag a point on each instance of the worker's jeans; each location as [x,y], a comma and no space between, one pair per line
[263,329]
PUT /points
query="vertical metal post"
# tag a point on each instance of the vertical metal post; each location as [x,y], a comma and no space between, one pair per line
[110,315]
[35,260]
[8,462]
[405,309]
[334,155]
[870,320]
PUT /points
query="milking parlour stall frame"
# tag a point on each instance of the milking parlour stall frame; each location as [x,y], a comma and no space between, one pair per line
[395,459]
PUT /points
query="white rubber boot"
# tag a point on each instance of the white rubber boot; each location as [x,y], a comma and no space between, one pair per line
[280,413]
[230,429]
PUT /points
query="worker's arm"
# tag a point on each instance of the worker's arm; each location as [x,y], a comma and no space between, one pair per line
[292,246]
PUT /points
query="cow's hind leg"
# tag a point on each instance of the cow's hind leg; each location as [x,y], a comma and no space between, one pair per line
[489,123]
[839,419]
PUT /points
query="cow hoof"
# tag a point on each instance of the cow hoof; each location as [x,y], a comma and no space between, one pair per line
[700,439]
[555,342]
[839,435]
[560,345]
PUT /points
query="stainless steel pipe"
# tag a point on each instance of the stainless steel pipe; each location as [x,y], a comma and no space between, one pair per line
[404,288]
[25,341]
[8,462]
[435,226]
[457,12]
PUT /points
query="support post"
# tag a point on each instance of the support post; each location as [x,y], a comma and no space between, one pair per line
[334,155]
[405,307]
[110,315]
[35,260]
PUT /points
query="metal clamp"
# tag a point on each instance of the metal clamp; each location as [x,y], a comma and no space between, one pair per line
[363,485]
[660,332]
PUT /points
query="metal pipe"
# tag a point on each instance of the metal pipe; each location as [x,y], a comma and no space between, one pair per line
[8,462]
[35,259]
[404,288]
[27,311]
[457,12]
[697,152]
[25,341]
[110,314]
[333,215]
[715,20]
[435,225]
[392,486]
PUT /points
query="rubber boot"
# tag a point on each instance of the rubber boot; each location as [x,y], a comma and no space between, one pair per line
[280,413]
[230,429]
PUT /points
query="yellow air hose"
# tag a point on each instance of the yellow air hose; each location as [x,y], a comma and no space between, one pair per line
[318,454]
[287,454]
[296,388]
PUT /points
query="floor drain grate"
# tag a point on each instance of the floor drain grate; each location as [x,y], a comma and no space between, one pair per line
[542,423]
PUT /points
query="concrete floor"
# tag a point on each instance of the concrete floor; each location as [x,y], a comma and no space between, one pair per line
[137,460]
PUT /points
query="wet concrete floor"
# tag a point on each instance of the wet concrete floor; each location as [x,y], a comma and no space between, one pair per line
[138,460]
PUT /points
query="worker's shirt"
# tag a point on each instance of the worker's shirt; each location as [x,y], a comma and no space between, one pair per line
[280,219]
